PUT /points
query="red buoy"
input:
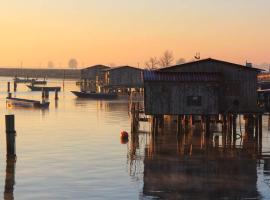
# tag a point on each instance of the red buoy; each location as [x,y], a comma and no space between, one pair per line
[124,135]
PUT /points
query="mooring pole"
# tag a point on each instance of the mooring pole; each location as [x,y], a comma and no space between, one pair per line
[56,95]
[10,179]
[42,94]
[10,137]
[8,86]
[15,86]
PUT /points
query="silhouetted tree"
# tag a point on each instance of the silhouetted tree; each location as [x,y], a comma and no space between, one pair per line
[73,63]
[152,63]
[50,64]
[166,59]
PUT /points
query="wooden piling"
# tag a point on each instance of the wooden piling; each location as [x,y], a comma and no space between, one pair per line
[10,136]
[179,124]
[234,118]
[56,95]
[15,86]
[43,93]
[268,121]
[260,133]
[8,86]
[10,179]
[207,126]
[47,94]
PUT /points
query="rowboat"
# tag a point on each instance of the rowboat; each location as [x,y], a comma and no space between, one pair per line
[40,88]
[17,102]
[93,95]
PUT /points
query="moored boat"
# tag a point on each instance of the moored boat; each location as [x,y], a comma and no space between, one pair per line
[38,82]
[40,88]
[18,102]
[22,80]
[93,95]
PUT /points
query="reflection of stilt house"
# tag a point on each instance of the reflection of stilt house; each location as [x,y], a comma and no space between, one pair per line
[93,78]
[187,167]
[124,79]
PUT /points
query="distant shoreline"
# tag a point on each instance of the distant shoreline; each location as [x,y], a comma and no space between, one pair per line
[41,73]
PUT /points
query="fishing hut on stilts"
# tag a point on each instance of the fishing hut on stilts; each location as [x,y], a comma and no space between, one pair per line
[205,93]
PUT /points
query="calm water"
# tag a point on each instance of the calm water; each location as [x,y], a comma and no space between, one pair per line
[73,151]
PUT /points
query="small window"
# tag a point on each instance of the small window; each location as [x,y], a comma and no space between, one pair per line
[194,100]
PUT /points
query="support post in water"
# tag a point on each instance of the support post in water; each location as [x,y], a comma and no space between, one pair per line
[10,137]
[46,94]
[8,86]
[15,86]
[42,93]
[56,95]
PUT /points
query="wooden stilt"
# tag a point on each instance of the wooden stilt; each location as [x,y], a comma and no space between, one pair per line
[10,137]
[179,124]
[10,179]
[8,87]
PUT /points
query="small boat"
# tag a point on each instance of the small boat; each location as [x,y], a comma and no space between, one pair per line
[17,102]
[40,88]
[22,80]
[93,95]
[32,81]
[38,82]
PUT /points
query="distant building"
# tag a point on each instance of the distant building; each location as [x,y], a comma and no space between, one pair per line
[93,77]
[206,87]
[91,73]
[124,78]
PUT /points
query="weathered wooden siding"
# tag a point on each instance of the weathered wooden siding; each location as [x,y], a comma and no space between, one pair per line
[91,73]
[125,77]
[239,84]
[170,98]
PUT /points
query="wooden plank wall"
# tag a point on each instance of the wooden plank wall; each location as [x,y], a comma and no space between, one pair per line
[170,98]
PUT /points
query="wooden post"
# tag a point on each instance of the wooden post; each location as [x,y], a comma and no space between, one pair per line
[207,127]
[10,136]
[15,86]
[234,117]
[56,95]
[47,94]
[43,93]
[9,95]
[179,124]
[268,121]
[8,87]
[260,133]
[10,179]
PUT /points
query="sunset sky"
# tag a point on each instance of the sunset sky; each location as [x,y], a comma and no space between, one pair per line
[130,31]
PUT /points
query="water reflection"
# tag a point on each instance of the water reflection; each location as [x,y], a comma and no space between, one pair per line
[10,179]
[191,166]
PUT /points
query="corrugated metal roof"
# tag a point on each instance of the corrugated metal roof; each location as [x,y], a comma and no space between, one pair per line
[182,76]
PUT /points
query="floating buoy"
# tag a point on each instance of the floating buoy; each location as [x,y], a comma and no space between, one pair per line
[124,135]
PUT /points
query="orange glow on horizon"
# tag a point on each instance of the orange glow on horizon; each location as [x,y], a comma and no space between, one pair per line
[128,33]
